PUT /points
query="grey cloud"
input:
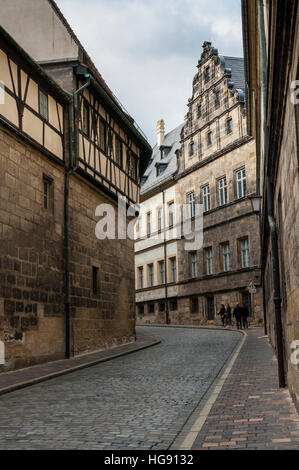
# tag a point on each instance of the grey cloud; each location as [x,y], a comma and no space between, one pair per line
[147,50]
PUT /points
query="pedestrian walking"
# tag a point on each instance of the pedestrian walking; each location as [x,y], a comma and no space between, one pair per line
[228,315]
[238,311]
[222,314]
[245,315]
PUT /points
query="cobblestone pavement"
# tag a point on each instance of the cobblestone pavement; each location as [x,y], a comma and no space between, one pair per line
[139,401]
[251,412]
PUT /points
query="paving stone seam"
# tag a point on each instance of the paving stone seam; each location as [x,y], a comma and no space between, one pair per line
[53,375]
[190,430]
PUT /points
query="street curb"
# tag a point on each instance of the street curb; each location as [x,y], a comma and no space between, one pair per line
[28,383]
[185,439]
[194,327]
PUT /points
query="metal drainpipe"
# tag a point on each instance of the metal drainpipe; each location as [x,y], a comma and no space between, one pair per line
[71,170]
[276,282]
[165,261]
[262,41]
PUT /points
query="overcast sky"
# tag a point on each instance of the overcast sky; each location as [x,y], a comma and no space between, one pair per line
[147,50]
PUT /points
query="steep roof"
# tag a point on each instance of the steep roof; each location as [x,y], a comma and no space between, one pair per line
[171,144]
[236,64]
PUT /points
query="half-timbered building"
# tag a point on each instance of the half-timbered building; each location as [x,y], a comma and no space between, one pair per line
[66,147]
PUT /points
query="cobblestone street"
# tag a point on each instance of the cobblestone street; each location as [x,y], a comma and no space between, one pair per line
[139,401]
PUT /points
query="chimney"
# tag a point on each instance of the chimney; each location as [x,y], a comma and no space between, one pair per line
[160,132]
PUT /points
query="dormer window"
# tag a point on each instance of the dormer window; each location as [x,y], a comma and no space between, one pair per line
[161,167]
[143,180]
[165,152]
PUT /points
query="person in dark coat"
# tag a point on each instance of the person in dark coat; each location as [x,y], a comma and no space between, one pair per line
[222,314]
[238,311]
[245,315]
[228,315]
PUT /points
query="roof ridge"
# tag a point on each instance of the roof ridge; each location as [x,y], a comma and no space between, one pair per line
[58,11]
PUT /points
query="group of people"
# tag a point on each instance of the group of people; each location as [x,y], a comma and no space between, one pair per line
[240,313]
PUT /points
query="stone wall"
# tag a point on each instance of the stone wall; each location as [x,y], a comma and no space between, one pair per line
[106,318]
[31,256]
[287,219]
[32,271]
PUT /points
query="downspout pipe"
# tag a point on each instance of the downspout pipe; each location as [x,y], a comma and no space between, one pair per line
[73,166]
[263,55]
[165,261]
[276,282]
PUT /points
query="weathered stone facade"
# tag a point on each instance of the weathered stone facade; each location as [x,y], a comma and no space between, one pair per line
[273,113]
[215,148]
[63,290]
[32,270]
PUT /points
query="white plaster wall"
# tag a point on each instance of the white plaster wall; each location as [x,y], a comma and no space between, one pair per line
[38,29]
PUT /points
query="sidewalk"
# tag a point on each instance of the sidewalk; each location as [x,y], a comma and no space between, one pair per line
[251,412]
[10,381]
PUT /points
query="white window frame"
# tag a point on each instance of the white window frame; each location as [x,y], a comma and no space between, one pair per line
[194,267]
[209,261]
[162,272]
[244,247]
[226,257]
[241,183]
[206,198]
[191,204]
[222,191]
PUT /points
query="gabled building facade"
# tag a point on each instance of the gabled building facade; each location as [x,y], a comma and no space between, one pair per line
[216,168]
[67,146]
[156,254]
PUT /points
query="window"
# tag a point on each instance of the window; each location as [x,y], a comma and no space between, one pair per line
[102,136]
[141,309]
[191,150]
[226,256]
[244,249]
[160,219]
[48,194]
[171,214]
[207,74]
[132,165]
[209,261]
[151,275]
[241,183]
[151,308]
[162,307]
[86,119]
[199,111]
[173,269]
[161,167]
[162,272]
[194,305]
[209,138]
[217,99]
[149,223]
[95,280]
[140,277]
[191,205]
[173,305]
[229,126]
[43,104]
[222,191]
[194,270]
[206,198]
[119,151]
